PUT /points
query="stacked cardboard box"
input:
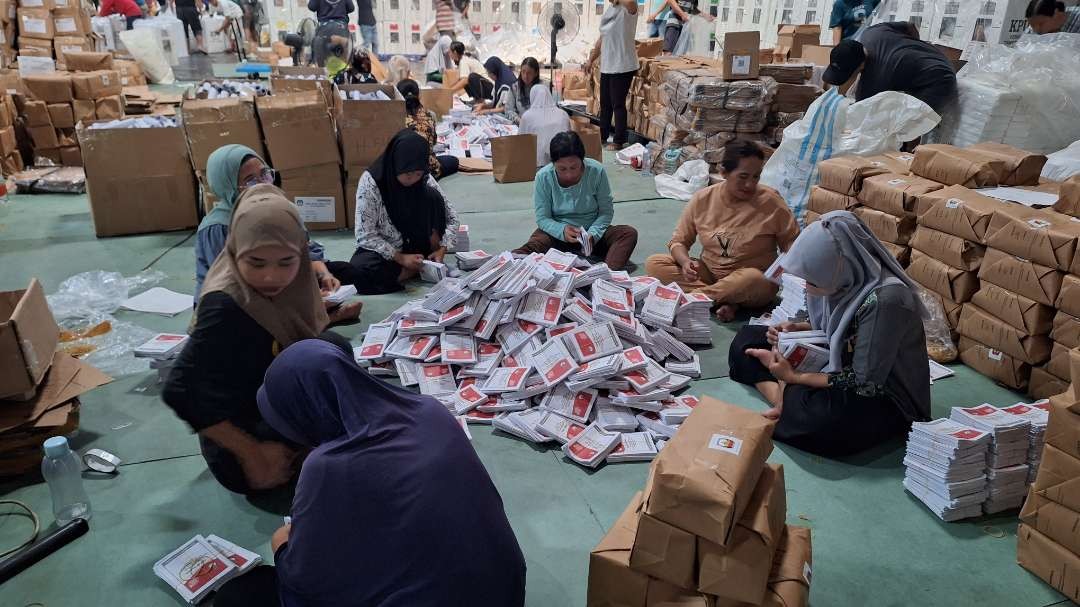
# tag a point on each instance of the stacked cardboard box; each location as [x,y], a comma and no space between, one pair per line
[364,129]
[211,123]
[302,145]
[61,100]
[1048,544]
[8,18]
[48,28]
[709,527]
[10,158]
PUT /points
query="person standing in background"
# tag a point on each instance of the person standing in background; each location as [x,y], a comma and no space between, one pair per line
[127,8]
[187,11]
[233,14]
[618,64]
[366,18]
[444,17]
[849,16]
[332,11]
[660,13]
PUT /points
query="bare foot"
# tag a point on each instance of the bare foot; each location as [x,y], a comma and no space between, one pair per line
[773,413]
[726,312]
[346,312]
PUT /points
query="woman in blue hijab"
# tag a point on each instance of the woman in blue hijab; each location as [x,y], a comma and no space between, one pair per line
[393,506]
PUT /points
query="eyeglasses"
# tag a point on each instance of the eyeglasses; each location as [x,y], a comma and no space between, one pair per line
[266,175]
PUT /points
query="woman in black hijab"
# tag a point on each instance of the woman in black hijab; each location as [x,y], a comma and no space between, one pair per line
[402,218]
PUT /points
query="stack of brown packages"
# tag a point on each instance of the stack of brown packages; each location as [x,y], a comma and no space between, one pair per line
[1065,331]
[8,18]
[709,527]
[11,161]
[49,28]
[877,189]
[1047,541]
[60,100]
[791,100]
[211,123]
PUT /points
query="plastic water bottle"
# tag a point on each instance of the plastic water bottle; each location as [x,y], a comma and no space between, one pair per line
[647,159]
[63,472]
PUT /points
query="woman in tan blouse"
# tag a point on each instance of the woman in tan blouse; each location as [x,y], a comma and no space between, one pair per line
[740,226]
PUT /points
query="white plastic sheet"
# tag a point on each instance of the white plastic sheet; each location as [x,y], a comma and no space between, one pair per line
[627,154]
[689,178]
[884,122]
[695,37]
[145,46]
[1063,164]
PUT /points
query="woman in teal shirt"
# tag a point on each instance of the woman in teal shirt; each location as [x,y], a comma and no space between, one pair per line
[573,203]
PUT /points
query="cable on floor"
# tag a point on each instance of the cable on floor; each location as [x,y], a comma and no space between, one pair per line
[29,513]
[166,252]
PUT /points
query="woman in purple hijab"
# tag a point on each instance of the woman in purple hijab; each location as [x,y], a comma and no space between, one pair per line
[393,506]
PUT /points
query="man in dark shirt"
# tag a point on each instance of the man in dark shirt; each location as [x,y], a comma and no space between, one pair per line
[848,16]
[332,10]
[892,58]
[370,33]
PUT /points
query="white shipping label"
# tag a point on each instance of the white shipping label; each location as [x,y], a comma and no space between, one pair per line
[740,65]
[66,25]
[31,4]
[896,182]
[723,442]
[316,209]
[954,203]
[34,26]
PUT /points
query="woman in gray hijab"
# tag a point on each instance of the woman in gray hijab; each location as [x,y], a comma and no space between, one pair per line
[876,381]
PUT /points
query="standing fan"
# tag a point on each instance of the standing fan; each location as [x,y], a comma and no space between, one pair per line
[560,22]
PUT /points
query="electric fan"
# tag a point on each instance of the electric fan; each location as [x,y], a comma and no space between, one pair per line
[559,22]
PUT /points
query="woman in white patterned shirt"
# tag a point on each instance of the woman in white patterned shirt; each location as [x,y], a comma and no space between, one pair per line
[402,218]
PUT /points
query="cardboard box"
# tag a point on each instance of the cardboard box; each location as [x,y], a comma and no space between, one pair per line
[824,201]
[61,115]
[649,47]
[994,364]
[1069,197]
[984,328]
[83,109]
[81,61]
[1040,235]
[952,250]
[817,54]
[958,211]
[109,108]
[1066,330]
[27,50]
[299,131]
[42,4]
[895,193]
[794,37]
[954,166]
[741,57]
[888,228]
[664,552]
[1055,564]
[66,379]
[741,571]
[69,22]
[212,123]
[316,191]
[36,23]
[43,136]
[845,174]
[1063,429]
[96,85]
[281,83]
[1059,478]
[37,113]
[702,481]
[28,338]
[50,88]
[439,101]
[122,165]
[949,282]
[1021,168]
[1044,384]
[41,47]
[1022,313]
[66,45]
[8,143]
[71,156]
[1027,278]
[1053,520]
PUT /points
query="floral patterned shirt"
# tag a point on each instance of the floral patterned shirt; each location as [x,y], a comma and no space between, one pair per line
[374,230]
[424,124]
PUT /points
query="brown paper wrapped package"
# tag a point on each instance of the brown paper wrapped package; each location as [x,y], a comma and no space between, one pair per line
[1027,278]
[891,162]
[61,115]
[1023,313]
[84,109]
[954,166]
[994,364]
[50,88]
[888,228]
[1066,330]
[951,283]
[1058,365]
[108,108]
[1050,561]
[1059,478]
[1053,520]
[740,571]
[1063,429]
[1044,384]
[824,201]
[1040,235]
[984,328]
[900,253]
[894,193]
[702,481]
[96,85]
[810,217]
[953,250]
[958,211]
[1021,168]
[37,113]
[792,572]
[1068,299]
[845,174]
[664,552]
[88,62]
[1069,197]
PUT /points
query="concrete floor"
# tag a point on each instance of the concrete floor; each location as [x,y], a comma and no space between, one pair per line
[873,544]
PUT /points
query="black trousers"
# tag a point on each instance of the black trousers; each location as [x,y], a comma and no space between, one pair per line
[369,272]
[826,421]
[479,87]
[256,588]
[614,89]
[448,165]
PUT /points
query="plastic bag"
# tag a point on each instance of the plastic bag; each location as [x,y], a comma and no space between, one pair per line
[694,38]
[98,292]
[884,122]
[689,178]
[939,342]
[627,154]
[145,46]
[1062,164]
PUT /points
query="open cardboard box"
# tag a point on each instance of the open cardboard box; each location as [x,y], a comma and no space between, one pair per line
[28,338]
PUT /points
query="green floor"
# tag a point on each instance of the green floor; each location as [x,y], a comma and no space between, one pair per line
[873,544]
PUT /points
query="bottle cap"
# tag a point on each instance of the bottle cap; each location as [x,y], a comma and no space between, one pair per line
[56,446]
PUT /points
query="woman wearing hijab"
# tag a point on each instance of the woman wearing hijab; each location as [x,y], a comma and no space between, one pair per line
[875,382]
[545,120]
[438,59]
[504,80]
[421,120]
[393,507]
[402,218]
[514,101]
[259,297]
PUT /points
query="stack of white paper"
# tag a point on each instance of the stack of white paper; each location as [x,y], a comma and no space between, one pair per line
[807,351]
[163,346]
[946,467]
[792,302]
[471,260]
[691,368]
[461,243]
[634,447]
[340,296]
[692,319]
[591,446]
[1008,452]
[1037,414]
[660,306]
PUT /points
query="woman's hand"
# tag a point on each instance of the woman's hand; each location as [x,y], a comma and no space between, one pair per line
[269,465]
[409,261]
[785,327]
[775,363]
[690,270]
[328,283]
[280,537]
[438,254]
[571,234]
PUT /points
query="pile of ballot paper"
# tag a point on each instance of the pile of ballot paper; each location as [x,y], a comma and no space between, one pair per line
[549,348]
[945,467]
[202,565]
[461,243]
[1037,414]
[792,307]
[1006,462]
[463,134]
[162,351]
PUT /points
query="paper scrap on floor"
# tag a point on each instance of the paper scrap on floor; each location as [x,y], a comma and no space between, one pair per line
[159,300]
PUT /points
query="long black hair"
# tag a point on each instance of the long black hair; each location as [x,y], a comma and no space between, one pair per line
[523,89]
[410,90]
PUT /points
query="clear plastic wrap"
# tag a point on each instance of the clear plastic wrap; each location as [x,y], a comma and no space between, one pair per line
[710,121]
[939,342]
[702,88]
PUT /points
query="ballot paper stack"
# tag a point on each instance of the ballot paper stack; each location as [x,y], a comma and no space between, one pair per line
[549,348]
[466,135]
[1037,414]
[945,467]
[807,351]
[162,351]
[461,243]
[692,319]
[792,307]
[202,565]
[1006,461]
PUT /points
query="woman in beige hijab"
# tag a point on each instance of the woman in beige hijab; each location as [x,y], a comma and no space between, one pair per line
[259,297]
